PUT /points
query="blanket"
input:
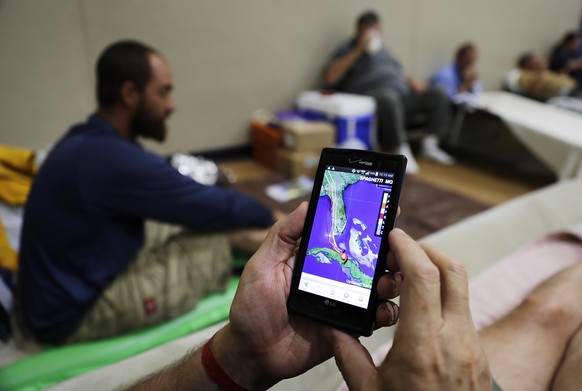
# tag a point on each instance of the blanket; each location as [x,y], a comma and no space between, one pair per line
[503,286]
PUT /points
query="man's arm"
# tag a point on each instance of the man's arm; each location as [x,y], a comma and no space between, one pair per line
[263,344]
[185,375]
[338,68]
[417,86]
[130,181]
[469,80]
[435,346]
[188,373]
[574,64]
[248,240]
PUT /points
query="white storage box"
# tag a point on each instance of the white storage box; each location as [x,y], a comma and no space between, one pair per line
[354,116]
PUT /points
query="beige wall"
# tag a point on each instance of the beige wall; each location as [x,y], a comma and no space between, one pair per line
[233,57]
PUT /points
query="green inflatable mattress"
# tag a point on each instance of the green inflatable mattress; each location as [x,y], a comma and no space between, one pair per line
[56,364]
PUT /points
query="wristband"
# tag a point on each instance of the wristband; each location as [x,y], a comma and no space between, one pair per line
[215,372]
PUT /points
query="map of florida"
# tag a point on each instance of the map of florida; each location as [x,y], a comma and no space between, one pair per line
[333,186]
[354,269]
[349,257]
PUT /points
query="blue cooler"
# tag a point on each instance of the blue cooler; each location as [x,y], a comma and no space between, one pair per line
[354,116]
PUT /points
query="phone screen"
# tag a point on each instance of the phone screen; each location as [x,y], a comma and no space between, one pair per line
[342,250]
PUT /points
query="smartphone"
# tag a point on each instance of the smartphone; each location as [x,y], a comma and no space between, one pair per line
[344,243]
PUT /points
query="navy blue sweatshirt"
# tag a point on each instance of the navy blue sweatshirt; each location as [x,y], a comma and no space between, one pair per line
[84,221]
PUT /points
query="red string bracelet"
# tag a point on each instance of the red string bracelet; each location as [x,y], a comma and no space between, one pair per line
[215,372]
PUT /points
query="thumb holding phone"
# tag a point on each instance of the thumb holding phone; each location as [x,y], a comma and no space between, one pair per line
[435,345]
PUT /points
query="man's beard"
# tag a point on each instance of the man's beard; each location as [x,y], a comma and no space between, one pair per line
[145,125]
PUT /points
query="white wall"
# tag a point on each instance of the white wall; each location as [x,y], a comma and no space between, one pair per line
[232,57]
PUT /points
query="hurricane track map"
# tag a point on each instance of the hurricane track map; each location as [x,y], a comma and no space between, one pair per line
[347,228]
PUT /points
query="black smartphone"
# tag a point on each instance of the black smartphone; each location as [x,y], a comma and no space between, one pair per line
[344,244]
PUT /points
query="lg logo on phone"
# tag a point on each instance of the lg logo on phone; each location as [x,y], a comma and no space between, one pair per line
[329,303]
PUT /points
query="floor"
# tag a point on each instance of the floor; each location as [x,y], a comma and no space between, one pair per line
[477,179]
[481,180]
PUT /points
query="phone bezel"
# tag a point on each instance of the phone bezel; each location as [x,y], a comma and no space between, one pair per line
[341,315]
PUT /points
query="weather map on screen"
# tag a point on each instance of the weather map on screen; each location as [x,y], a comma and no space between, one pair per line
[342,251]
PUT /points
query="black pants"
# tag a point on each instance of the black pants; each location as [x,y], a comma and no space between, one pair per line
[392,109]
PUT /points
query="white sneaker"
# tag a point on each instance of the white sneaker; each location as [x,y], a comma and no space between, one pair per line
[412,166]
[431,151]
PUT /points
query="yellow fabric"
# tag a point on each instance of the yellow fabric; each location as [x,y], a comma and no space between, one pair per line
[8,256]
[545,84]
[17,168]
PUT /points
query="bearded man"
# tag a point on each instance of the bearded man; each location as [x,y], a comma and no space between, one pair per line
[88,268]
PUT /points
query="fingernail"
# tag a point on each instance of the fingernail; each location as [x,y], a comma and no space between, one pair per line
[396,309]
[395,313]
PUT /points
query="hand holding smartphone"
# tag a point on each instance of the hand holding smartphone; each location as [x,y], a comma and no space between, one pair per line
[344,244]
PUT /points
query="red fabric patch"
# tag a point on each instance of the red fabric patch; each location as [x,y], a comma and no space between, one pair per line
[150,305]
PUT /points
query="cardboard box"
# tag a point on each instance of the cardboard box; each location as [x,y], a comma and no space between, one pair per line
[265,140]
[297,163]
[308,135]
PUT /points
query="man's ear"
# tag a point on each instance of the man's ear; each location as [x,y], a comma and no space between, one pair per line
[129,94]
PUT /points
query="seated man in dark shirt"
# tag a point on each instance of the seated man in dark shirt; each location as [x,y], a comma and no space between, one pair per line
[88,267]
[364,66]
[566,57]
